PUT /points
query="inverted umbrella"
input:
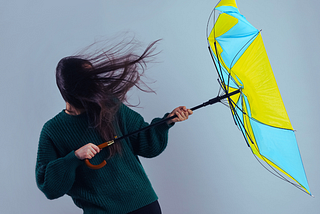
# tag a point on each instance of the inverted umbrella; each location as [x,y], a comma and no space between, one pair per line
[242,63]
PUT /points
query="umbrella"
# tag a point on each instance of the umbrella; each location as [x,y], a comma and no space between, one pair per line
[242,64]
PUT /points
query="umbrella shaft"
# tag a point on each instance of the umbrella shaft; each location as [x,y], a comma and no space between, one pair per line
[209,102]
[216,99]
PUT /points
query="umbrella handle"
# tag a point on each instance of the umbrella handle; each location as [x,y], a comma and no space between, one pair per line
[103,163]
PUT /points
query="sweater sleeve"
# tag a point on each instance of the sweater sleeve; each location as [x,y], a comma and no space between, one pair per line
[148,143]
[54,175]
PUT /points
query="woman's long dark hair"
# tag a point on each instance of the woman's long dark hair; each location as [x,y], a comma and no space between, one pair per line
[98,83]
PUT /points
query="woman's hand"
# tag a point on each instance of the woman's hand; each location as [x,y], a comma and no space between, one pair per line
[88,151]
[182,114]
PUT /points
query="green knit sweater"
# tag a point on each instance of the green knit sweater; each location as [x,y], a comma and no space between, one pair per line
[119,187]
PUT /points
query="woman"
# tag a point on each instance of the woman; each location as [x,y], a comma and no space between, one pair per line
[94,88]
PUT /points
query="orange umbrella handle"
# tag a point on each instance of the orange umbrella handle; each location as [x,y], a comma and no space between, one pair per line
[91,166]
[99,166]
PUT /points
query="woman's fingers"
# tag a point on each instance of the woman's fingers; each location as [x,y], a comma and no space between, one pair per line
[87,151]
[92,150]
[182,114]
[95,148]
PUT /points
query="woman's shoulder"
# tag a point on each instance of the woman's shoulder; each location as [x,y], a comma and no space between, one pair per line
[52,121]
[127,113]
[63,117]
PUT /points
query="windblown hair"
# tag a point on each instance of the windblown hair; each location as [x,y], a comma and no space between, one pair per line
[98,83]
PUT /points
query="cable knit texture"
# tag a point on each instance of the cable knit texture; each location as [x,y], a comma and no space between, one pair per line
[121,186]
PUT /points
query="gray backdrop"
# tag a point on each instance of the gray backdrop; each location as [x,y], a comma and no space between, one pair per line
[207,167]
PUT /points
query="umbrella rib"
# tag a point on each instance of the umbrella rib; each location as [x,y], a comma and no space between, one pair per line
[212,12]
[237,120]
[219,71]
